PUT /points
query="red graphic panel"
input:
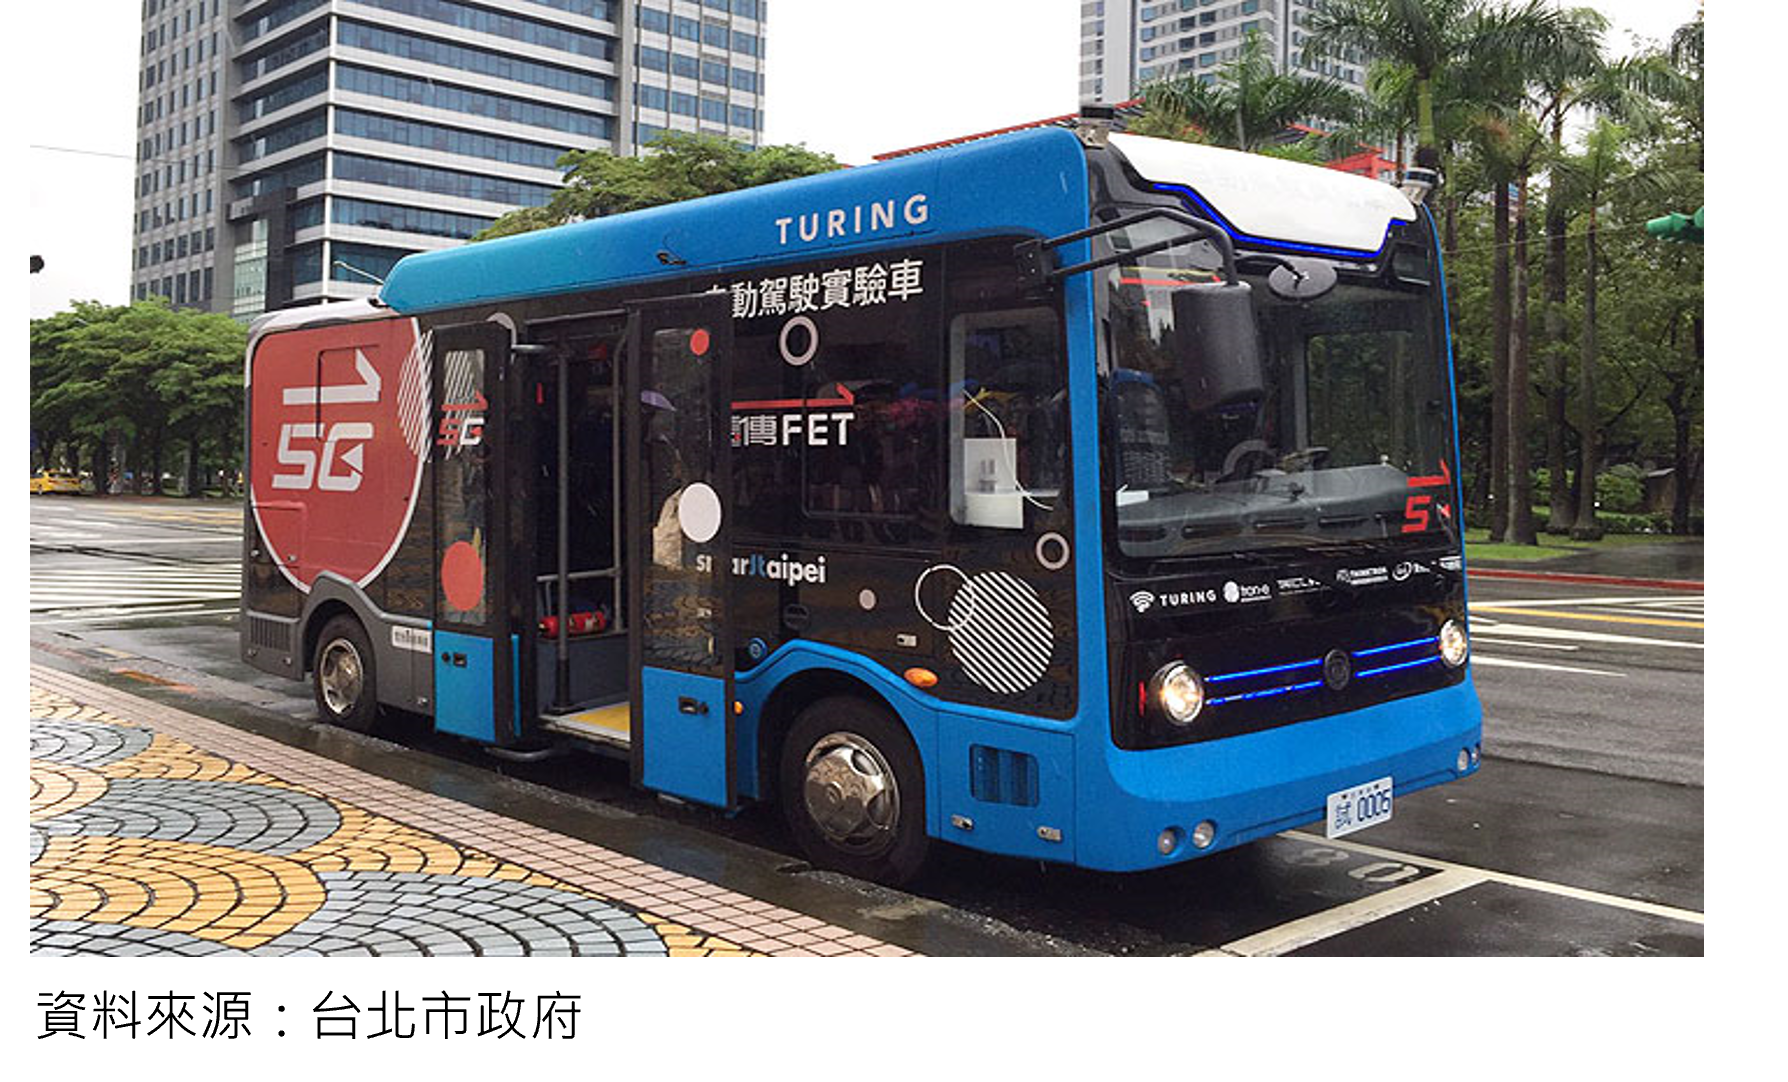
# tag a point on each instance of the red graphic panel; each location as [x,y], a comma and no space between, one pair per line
[462,576]
[338,426]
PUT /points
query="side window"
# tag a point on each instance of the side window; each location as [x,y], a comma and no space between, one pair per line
[1008,416]
[838,413]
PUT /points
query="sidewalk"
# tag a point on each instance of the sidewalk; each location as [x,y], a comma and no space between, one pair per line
[155,831]
[1667,561]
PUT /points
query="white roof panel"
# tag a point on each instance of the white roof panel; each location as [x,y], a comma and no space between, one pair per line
[1271,198]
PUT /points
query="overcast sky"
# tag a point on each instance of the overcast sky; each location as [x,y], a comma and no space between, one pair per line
[852,77]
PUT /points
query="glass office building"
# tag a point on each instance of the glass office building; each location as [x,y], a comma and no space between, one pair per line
[291,151]
[1126,43]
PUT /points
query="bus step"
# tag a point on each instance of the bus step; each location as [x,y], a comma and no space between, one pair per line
[602,724]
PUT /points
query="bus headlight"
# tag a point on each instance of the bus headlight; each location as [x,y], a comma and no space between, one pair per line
[1178,691]
[1453,646]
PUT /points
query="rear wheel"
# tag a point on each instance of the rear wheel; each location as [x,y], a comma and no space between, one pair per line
[344,676]
[853,790]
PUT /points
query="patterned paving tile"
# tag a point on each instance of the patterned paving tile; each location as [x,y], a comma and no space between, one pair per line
[156,831]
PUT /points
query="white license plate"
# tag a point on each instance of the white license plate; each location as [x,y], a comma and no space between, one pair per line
[1360,807]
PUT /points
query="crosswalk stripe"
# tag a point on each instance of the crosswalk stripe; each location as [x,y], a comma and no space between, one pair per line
[132,584]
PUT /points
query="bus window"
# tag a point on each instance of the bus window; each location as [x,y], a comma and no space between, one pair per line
[1008,417]
[460,498]
[838,413]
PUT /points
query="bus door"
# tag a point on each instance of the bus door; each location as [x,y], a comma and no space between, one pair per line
[477,645]
[677,394]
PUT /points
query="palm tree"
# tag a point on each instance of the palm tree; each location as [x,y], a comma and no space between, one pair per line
[1677,78]
[1430,37]
[1601,175]
[1577,79]
[1246,106]
[1569,74]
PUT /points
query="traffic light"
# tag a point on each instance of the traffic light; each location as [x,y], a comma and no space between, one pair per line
[1680,227]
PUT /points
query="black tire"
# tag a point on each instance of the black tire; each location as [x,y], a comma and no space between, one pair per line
[344,676]
[869,755]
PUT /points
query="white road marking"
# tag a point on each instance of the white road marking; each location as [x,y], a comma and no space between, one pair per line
[1449,878]
[1511,663]
[1477,639]
[218,539]
[1332,922]
[1568,601]
[109,584]
[111,616]
[1572,634]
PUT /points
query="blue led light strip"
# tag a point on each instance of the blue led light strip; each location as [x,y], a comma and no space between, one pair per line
[1370,651]
[1382,669]
[1262,672]
[1397,646]
[1196,202]
[1266,692]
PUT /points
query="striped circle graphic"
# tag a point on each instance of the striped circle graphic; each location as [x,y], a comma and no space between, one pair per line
[1000,632]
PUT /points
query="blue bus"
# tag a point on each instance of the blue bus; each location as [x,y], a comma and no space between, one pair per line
[1062,494]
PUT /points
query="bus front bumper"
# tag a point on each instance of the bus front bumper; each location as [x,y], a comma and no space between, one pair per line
[1132,804]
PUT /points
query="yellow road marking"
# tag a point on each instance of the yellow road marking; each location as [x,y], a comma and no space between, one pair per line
[1589,616]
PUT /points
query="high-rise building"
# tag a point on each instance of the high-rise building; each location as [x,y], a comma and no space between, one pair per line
[1126,43]
[291,151]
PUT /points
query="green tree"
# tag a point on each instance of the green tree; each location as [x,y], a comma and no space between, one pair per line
[1602,173]
[1570,73]
[136,375]
[681,166]
[1623,90]
[1432,38]
[1248,106]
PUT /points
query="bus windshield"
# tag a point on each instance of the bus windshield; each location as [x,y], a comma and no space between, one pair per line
[1349,439]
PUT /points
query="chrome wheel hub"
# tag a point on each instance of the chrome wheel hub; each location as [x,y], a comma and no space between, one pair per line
[341,676]
[851,793]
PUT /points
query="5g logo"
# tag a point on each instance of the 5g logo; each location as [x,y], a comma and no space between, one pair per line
[333,469]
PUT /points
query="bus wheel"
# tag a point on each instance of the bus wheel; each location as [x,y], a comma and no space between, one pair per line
[343,676]
[853,790]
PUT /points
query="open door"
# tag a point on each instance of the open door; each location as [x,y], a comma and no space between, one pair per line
[477,648]
[677,390]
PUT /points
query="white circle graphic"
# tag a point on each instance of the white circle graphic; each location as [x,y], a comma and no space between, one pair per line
[866,598]
[798,359]
[966,588]
[698,512]
[1057,547]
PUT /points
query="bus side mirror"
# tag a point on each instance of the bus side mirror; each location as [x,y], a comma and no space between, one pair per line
[1218,346]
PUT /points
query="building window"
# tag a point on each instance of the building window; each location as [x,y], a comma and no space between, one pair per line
[353,167]
[476,102]
[373,260]
[433,223]
[480,61]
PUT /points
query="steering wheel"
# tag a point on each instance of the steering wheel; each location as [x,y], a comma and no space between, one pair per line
[1253,453]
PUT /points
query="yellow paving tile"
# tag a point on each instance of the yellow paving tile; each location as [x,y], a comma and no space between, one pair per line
[206,891]
[59,788]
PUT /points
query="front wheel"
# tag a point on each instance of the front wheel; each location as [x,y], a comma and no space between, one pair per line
[853,790]
[344,677]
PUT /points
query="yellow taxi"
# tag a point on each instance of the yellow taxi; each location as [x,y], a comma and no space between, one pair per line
[55,481]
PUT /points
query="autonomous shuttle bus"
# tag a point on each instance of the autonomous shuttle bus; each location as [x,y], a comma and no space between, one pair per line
[1068,495]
